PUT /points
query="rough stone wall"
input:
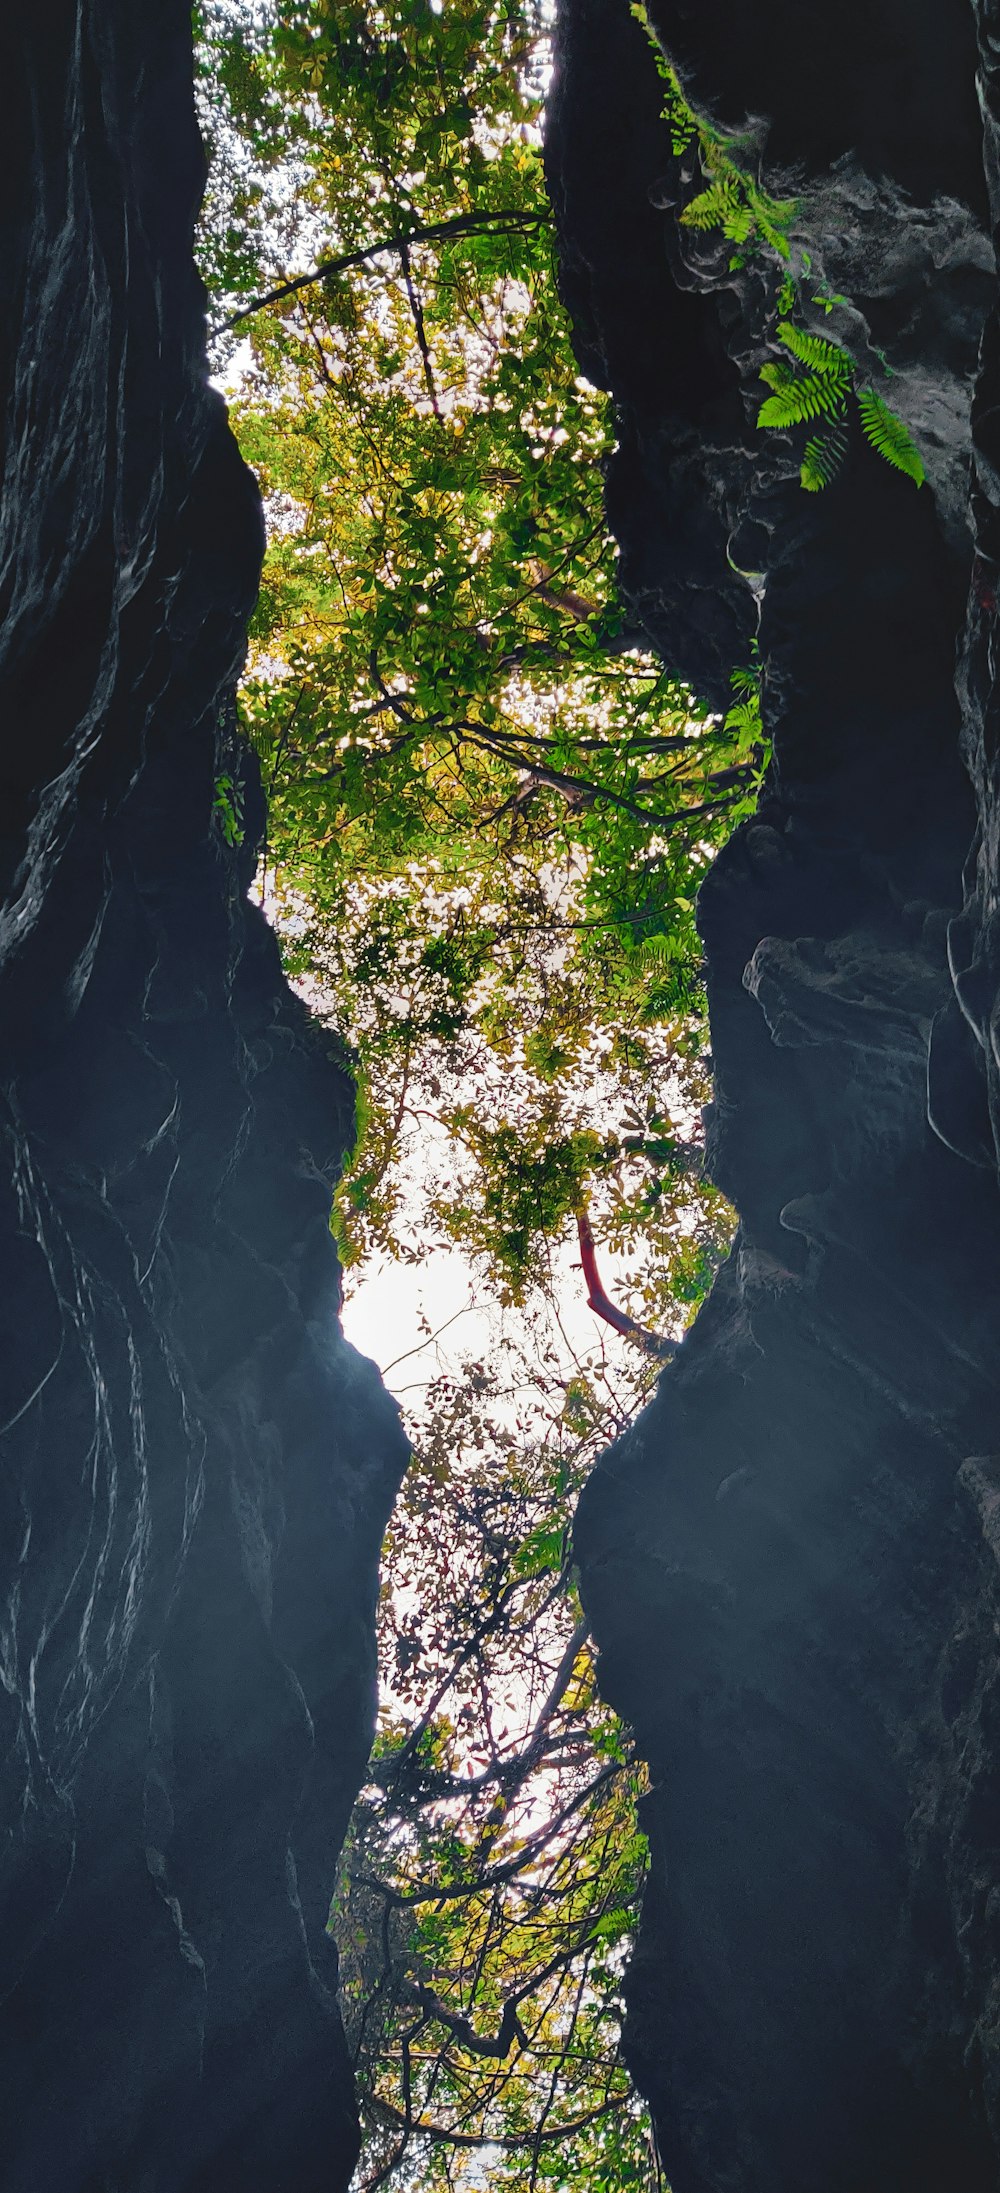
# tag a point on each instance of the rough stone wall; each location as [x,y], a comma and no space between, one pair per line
[196,1469]
[792,1561]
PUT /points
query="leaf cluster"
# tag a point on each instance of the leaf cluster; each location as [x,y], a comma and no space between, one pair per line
[820,384]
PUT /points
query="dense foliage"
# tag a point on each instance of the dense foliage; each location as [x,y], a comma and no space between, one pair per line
[492,804]
[489,811]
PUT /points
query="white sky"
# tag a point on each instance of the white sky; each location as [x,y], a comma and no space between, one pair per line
[383,1303]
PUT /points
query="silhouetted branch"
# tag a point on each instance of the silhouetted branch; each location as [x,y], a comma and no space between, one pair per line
[511,222]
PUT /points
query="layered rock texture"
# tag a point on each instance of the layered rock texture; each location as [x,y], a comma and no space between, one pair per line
[196,1470]
[792,1561]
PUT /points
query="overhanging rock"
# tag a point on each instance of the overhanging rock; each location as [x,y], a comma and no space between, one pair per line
[791,1559]
[196,1469]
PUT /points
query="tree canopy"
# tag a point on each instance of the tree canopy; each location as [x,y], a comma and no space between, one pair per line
[489,809]
[492,803]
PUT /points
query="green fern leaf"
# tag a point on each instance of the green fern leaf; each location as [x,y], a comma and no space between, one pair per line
[824,454]
[772,218]
[660,951]
[739,225]
[889,436]
[815,352]
[744,718]
[810,396]
[778,375]
[713,208]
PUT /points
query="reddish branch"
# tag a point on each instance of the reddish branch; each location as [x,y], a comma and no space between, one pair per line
[601,1303]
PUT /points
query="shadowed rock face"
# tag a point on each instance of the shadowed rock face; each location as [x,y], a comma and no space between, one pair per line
[792,1561]
[196,1469]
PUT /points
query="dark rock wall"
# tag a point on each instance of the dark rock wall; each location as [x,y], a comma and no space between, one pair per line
[196,1469]
[792,1561]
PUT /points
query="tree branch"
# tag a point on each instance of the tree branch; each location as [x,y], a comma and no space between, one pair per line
[583,790]
[601,1303]
[439,2133]
[455,1892]
[509,222]
[478,2044]
[417,315]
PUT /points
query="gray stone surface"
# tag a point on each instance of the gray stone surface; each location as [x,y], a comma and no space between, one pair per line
[790,1560]
[196,1470]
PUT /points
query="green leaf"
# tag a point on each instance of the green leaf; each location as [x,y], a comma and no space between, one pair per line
[778,375]
[723,206]
[613,1925]
[809,396]
[889,436]
[822,459]
[815,351]
[540,1553]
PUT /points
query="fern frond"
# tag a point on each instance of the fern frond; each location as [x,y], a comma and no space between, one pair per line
[809,396]
[889,436]
[823,456]
[744,718]
[815,352]
[676,112]
[660,951]
[778,375]
[714,207]
[772,218]
[738,225]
